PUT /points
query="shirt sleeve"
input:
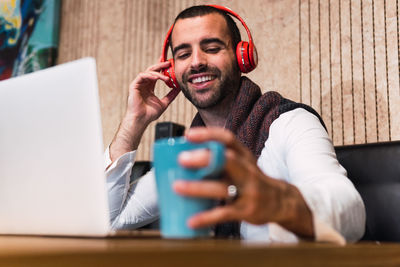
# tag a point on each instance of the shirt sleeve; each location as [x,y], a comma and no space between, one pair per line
[306,158]
[132,204]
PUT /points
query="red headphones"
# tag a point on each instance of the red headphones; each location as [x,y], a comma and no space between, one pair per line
[246,53]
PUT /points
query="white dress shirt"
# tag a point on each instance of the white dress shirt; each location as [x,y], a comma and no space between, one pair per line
[298,151]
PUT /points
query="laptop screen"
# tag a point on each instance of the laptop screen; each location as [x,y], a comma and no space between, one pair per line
[51,163]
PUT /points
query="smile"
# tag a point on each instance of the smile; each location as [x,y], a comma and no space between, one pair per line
[202,79]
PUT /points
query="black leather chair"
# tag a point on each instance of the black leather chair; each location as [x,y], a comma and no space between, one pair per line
[375,171]
[139,169]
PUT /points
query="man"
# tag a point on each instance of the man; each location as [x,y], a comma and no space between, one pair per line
[278,153]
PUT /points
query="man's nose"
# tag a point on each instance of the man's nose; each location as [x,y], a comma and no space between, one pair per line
[199,60]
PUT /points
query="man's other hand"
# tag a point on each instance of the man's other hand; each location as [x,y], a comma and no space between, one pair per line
[261,199]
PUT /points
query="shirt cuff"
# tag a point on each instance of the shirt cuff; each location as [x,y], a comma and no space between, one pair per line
[323,231]
[107,158]
[127,157]
[118,178]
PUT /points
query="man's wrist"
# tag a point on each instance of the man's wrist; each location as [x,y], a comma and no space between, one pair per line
[294,213]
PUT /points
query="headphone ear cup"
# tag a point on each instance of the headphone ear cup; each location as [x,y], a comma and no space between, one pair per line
[245,56]
[170,72]
[253,56]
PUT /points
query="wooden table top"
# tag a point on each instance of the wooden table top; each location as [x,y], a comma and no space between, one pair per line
[148,249]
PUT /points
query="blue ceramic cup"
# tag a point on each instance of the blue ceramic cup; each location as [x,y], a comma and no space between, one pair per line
[175,210]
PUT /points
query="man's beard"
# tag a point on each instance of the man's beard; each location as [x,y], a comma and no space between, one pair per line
[228,85]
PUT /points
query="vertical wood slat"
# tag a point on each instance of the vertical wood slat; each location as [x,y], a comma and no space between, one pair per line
[357,73]
[147,58]
[345,73]
[363,68]
[381,70]
[335,38]
[326,109]
[392,19]
[387,71]
[300,54]
[144,58]
[305,52]
[315,53]
[369,81]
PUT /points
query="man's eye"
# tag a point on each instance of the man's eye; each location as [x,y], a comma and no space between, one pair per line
[182,55]
[213,50]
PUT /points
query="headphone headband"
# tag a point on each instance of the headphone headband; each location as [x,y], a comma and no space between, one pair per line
[222,8]
[165,46]
[236,15]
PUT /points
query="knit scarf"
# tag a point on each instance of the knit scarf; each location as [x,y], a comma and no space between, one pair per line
[250,119]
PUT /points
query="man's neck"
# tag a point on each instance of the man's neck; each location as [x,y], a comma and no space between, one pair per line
[217,115]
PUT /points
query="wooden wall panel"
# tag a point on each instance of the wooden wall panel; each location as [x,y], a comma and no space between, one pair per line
[339,56]
[380,69]
[392,32]
[305,50]
[325,69]
[369,71]
[278,43]
[336,72]
[315,53]
[346,72]
[357,72]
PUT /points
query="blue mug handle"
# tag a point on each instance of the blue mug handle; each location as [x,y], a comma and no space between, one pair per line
[217,161]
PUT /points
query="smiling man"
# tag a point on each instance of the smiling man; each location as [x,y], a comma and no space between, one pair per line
[279,155]
[205,63]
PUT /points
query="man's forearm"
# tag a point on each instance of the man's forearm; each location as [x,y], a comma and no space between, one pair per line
[127,137]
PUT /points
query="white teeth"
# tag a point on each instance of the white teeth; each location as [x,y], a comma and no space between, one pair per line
[202,79]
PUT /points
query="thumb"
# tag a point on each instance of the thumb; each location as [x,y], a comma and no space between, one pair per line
[166,100]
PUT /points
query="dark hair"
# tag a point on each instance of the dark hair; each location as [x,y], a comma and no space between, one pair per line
[198,11]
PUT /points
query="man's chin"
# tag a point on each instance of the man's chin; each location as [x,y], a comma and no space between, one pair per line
[204,103]
[200,98]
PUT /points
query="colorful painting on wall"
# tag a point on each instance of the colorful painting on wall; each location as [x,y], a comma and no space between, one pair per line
[29,31]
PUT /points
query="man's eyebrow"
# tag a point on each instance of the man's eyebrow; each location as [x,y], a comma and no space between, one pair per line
[179,47]
[202,42]
[212,40]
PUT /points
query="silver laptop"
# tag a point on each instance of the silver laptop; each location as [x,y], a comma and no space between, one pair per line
[51,153]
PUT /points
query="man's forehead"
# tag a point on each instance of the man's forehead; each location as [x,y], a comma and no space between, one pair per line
[213,24]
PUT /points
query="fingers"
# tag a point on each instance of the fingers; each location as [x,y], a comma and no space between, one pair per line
[166,100]
[241,170]
[239,160]
[152,73]
[159,66]
[198,158]
[217,215]
[203,189]
[145,77]
[237,167]
[156,69]
[202,134]
[207,189]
